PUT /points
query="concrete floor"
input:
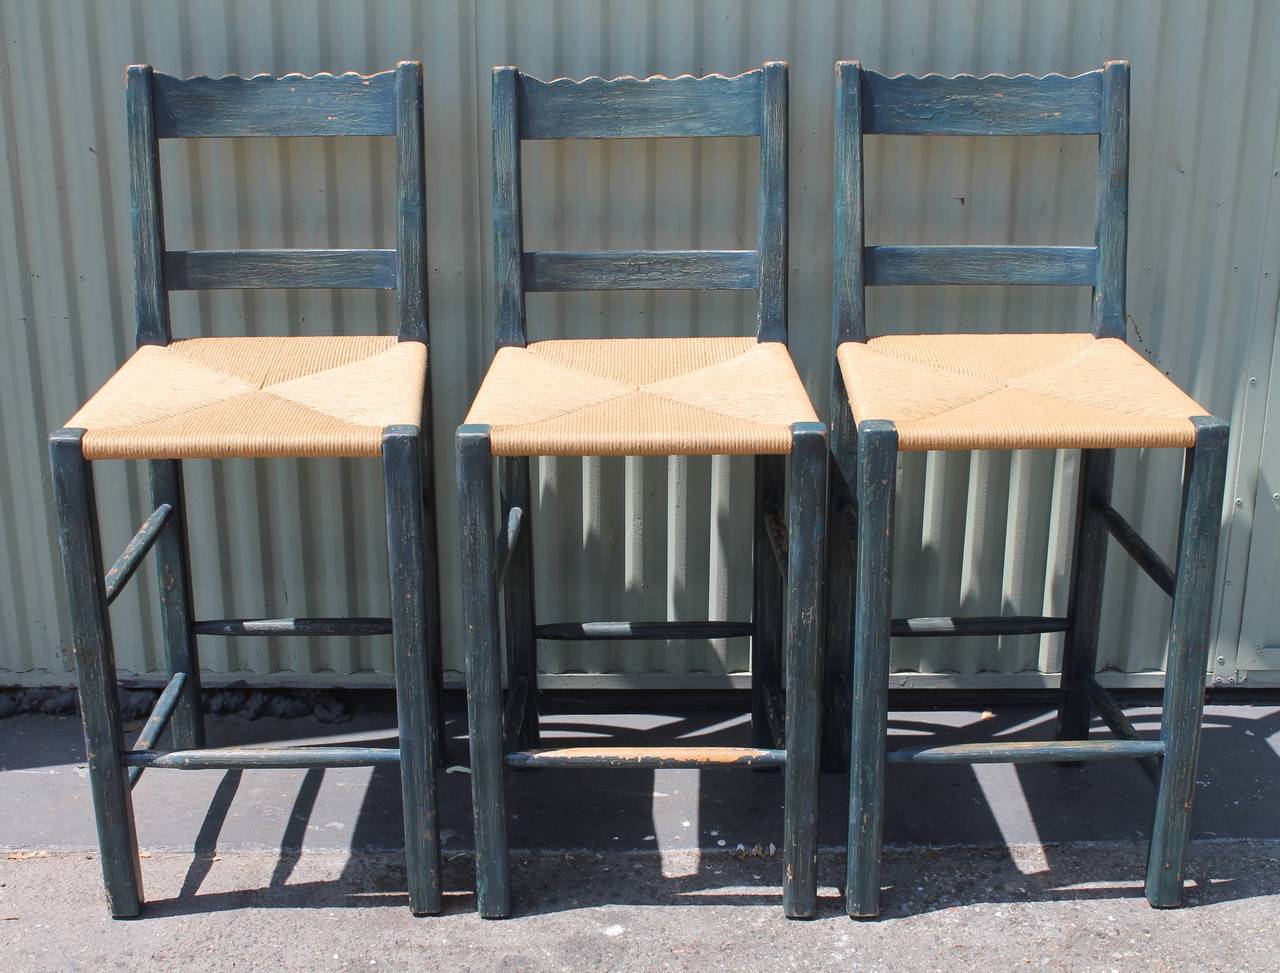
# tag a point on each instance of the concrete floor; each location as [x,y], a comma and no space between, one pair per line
[997,866]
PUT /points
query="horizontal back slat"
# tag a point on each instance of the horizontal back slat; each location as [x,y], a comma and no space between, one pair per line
[568,270]
[979,265]
[192,270]
[596,108]
[293,105]
[993,105]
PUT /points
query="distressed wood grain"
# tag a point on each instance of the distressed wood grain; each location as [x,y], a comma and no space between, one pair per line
[508,218]
[263,758]
[1028,752]
[265,105]
[410,267]
[417,694]
[161,713]
[515,493]
[803,632]
[653,107]
[177,601]
[1084,598]
[80,543]
[979,265]
[484,672]
[877,469]
[192,270]
[768,594]
[647,758]
[1186,658]
[996,104]
[978,625]
[1136,547]
[614,631]
[292,626]
[771,221]
[131,557]
[578,270]
[1112,233]
[151,302]
[848,287]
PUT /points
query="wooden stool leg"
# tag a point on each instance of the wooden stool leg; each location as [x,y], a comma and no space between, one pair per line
[95,671]
[766,600]
[431,573]
[877,467]
[1187,659]
[805,624]
[1084,603]
[484,672]
[177,611]
[839,635]
[518,597]
[417,699]
[841,557]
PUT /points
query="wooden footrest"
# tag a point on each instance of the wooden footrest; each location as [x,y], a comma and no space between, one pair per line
[1048,751]
[249,758]
[648,757]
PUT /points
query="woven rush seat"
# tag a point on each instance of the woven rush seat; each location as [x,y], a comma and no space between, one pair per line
[215,398]
[1015,391]
[642,397]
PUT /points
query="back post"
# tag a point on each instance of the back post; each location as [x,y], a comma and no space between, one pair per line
[849,296]
[771,275]
[508,232]
[411,211]
[151,302]
[1112,234]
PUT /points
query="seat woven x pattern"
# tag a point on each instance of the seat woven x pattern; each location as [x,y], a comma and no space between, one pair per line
[212,398]
[1015,391]
[641,397]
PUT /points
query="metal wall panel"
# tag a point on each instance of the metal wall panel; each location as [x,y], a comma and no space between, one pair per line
[635,537]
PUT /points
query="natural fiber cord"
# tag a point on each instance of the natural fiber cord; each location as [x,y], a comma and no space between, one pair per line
[642,397]
[1015,391]
[216,398]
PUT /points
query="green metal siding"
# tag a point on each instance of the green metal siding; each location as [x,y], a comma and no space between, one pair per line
[639,537]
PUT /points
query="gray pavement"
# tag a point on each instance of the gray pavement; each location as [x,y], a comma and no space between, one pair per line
[997,866]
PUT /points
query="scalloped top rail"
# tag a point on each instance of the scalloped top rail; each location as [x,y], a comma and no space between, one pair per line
[654,107]
[265,105]
[993,105]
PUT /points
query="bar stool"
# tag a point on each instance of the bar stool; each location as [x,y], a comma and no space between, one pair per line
[223,397]
[649,397]
[1042,391]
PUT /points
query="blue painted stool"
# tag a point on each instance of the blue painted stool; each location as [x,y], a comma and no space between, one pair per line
[223,397]
[647,396]
[968,392]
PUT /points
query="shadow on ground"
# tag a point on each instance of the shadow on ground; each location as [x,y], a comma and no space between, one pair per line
[641,837]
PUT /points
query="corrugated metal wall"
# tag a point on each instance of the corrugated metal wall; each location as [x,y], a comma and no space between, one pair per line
[638,537]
